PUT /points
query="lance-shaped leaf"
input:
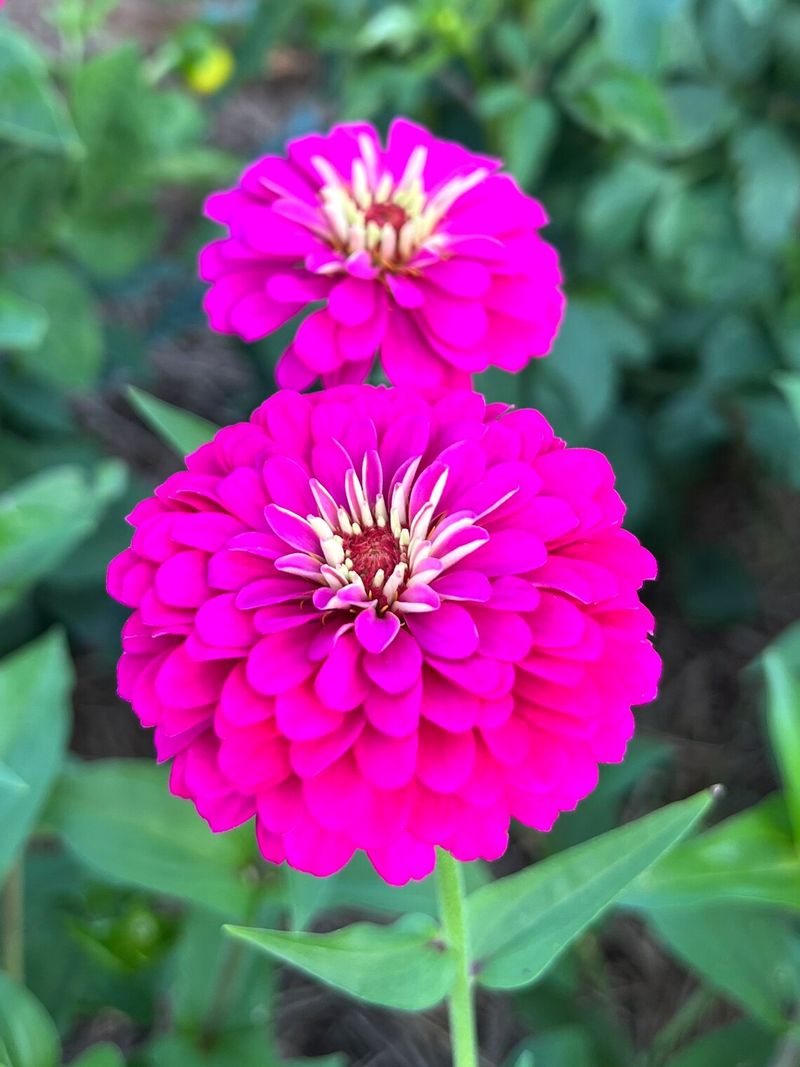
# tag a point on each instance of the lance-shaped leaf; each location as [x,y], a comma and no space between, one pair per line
[119,817]
[401,966]
[34,692]
[521,924]
[749,858]
[783,718]
[182,430]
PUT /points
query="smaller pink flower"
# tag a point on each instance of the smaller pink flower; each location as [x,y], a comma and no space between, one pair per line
[421,252]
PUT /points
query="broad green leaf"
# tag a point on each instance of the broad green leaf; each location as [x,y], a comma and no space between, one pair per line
[71,350]
[751,956]
[31,113]
[749,858]
[584,371]
[100,1056]
[28,1036]
[34,696]
[43,518]
[768,165]
[613,208]
[735,352]
[521,924]
[615,101]
[740,47]
[23,324]
[119,817]
[772,433]
[526,137]
[633,34]
[181,430]
[783,720]
[741,1043]
[403,966]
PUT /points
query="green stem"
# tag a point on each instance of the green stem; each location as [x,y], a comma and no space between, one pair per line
[13,944]
[463,1034]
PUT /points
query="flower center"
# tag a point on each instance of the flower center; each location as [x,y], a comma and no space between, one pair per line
[386,215]
[391,219]
[374,554]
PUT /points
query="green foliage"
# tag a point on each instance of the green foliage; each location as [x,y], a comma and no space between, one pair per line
[28,1037]
[34,694]
[401,966]
[521,924]
[181,430]
[119,817]
[749,956]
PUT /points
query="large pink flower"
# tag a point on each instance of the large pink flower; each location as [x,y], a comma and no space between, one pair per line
[420,251]
[377,622]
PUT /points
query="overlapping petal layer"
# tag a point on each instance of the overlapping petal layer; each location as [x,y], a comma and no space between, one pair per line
[378,622]
[421,252]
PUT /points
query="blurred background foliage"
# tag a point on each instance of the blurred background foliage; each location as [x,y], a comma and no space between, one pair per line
[662,136]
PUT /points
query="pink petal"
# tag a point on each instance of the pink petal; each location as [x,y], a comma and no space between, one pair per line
[280,661]
[450,632]
[397,668]
[341,683]
[376,632]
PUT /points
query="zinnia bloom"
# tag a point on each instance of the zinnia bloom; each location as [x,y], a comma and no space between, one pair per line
[377,622]
[420,251]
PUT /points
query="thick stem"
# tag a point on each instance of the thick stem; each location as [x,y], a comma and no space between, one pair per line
[463,1034]
[13,944]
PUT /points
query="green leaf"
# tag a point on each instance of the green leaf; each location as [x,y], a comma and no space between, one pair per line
[741,1043]
[748,858]
[28,1036]
[23,324]
[401,966]
[614,101]
[613,208]
[526,137]
[71,350]
[100,1056]
[783,720]
[748,955]
[740,47]
[43,518]
[181,430]
[31,114]
[34,695]
[521,924]
[633,34]
[119,817]
[768,171]
[735,352]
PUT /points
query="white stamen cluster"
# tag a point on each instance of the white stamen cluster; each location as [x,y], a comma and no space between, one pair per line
[347,205]
[425,543]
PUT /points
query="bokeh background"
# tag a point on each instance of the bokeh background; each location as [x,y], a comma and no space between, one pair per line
[663,138]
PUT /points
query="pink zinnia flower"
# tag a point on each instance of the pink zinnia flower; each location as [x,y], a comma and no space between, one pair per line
[376,622]
[420,251]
